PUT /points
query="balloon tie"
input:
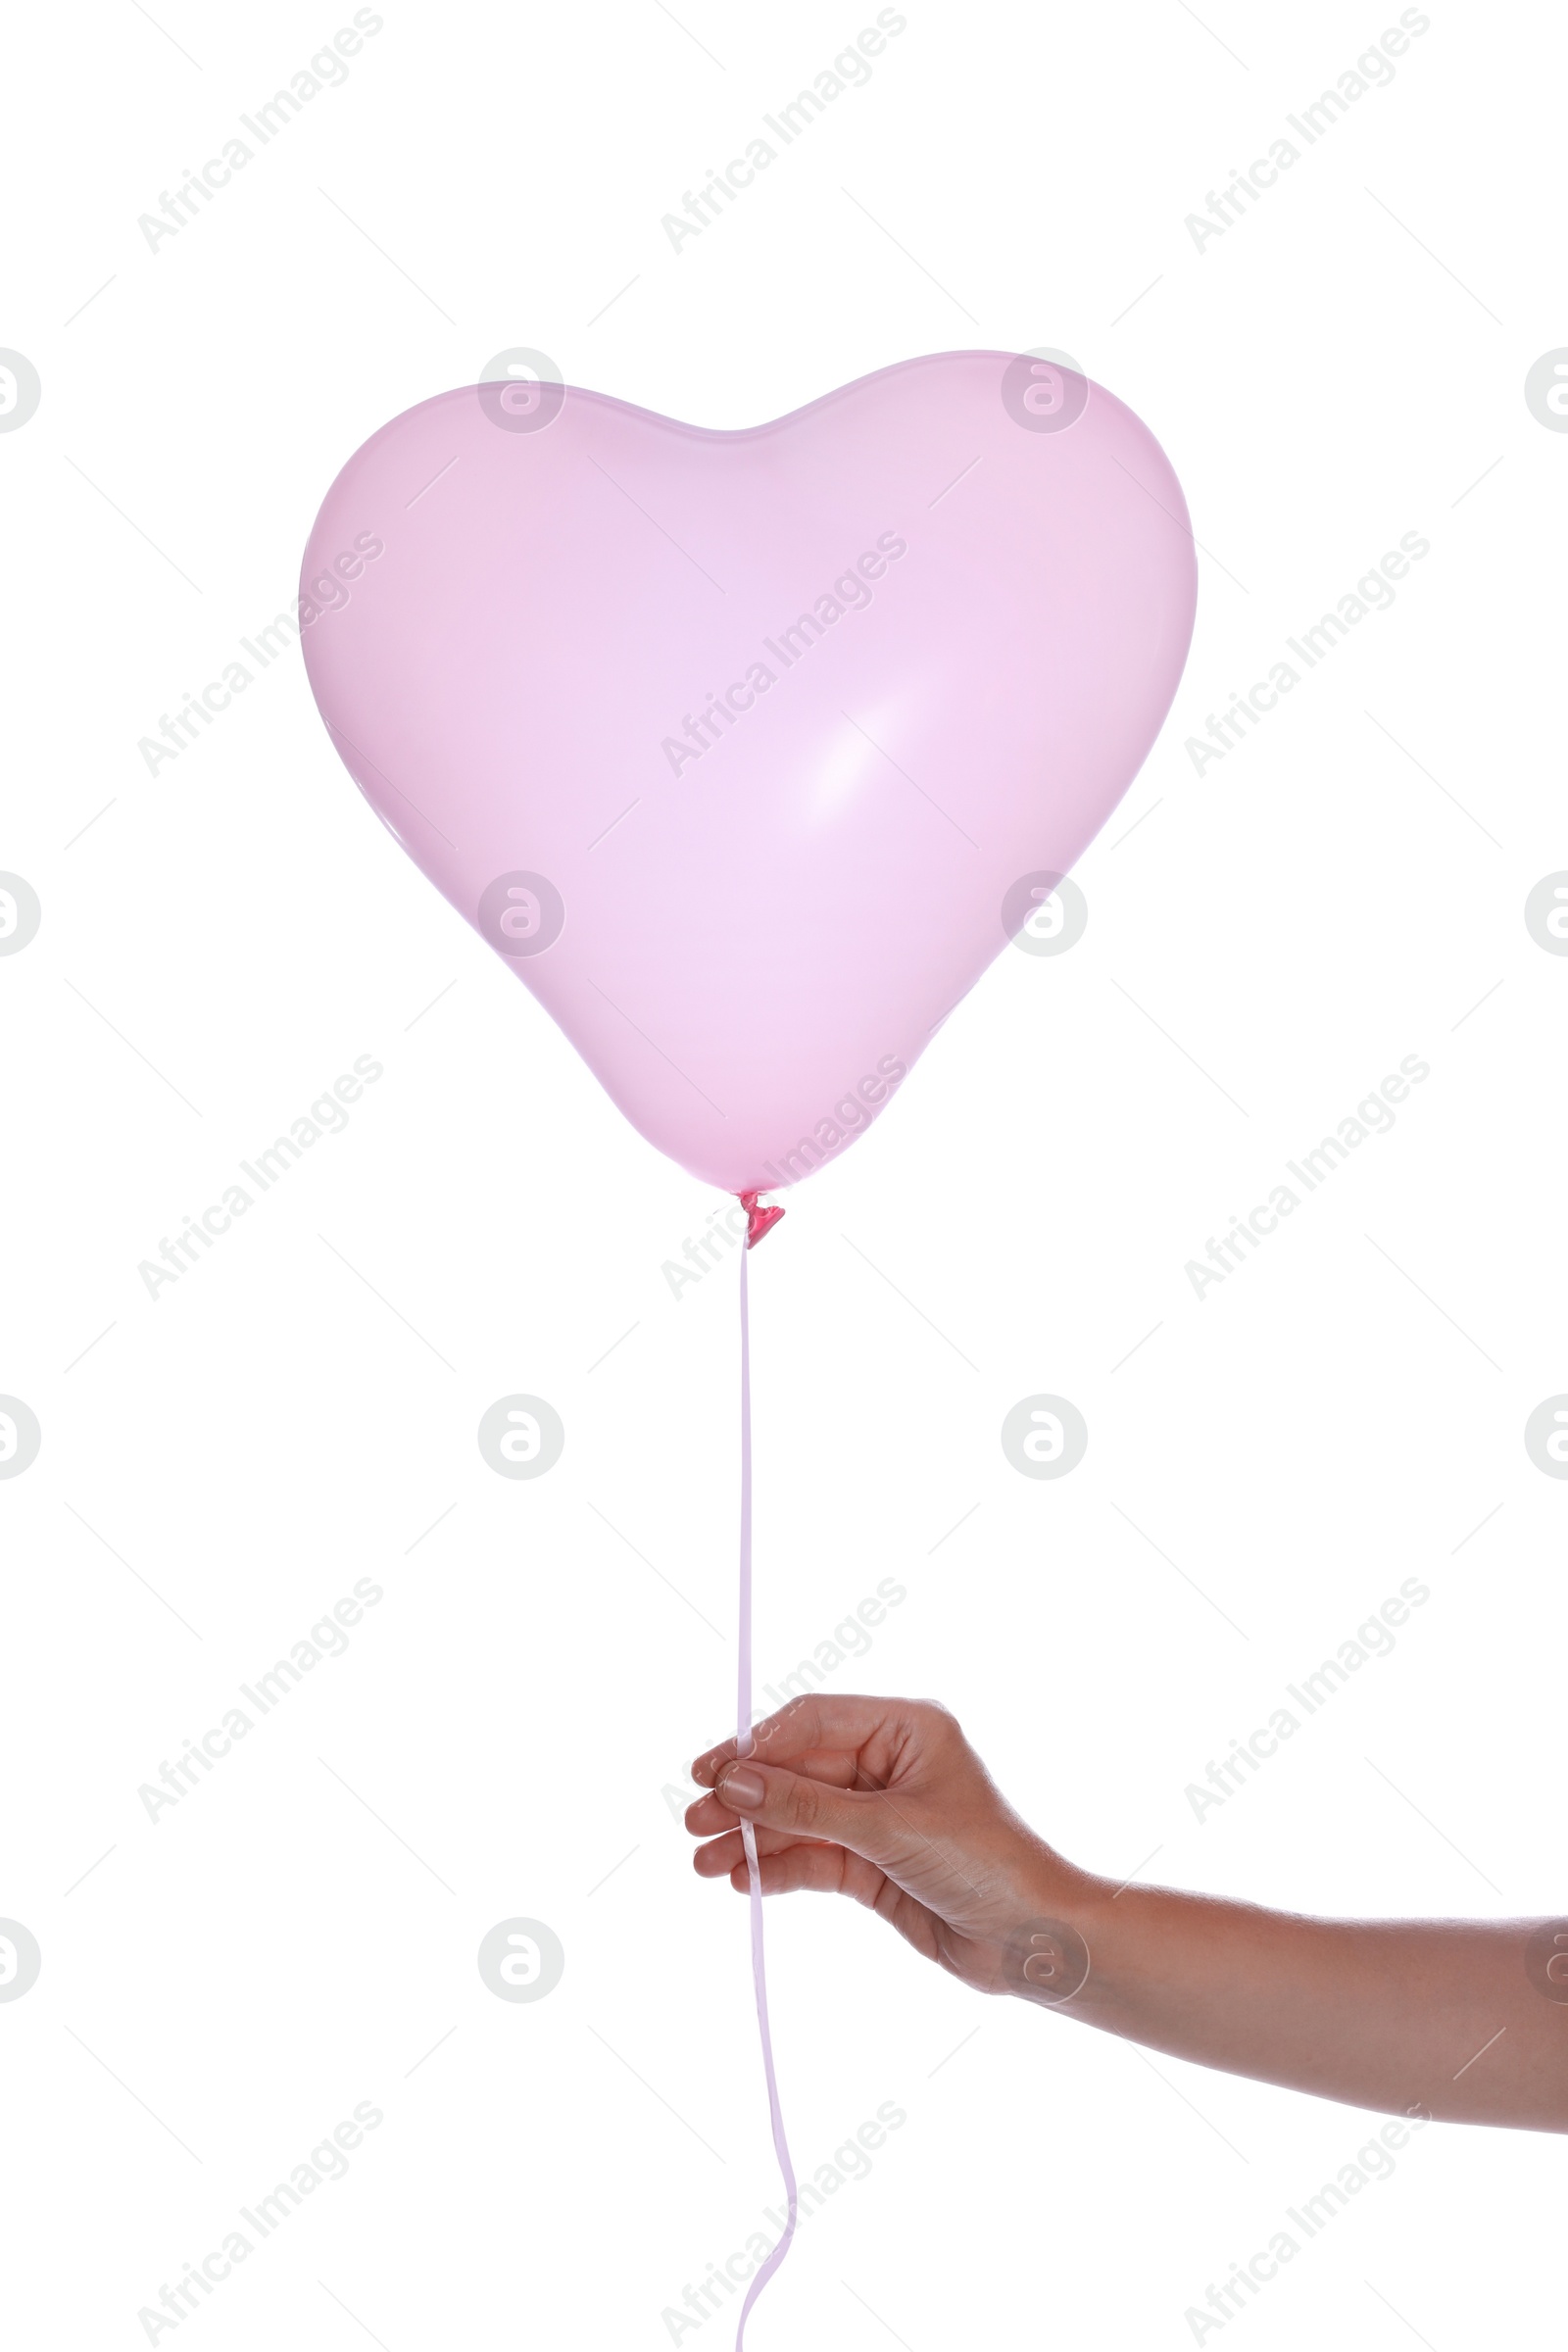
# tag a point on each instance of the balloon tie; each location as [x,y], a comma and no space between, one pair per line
[744,1744]
[757,1220]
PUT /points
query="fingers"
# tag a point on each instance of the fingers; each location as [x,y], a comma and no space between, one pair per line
[819,1869]
[819,1721]
[721,1855]
[829,1870]
[709,1814]
[775,1798]
[707,1817]
[790,1734]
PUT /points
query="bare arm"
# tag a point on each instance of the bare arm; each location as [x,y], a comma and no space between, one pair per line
[885,1800]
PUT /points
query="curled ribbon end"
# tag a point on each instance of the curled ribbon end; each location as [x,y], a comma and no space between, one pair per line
[757,1220]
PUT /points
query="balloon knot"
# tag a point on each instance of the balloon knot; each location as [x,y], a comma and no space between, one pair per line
[757,1220]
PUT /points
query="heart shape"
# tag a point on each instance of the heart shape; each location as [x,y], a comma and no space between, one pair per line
[749,750]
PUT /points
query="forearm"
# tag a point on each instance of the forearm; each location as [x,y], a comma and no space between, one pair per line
[1439,2015]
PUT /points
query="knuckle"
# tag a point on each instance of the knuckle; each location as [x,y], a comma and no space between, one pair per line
[801,1804]
[935,1717]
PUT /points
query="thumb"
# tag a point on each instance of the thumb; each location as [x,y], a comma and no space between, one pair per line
[778,1799]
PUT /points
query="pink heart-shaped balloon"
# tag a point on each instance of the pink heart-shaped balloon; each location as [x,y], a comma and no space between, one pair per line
[749,750]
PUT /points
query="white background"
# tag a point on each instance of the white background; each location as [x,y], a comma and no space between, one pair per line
[219,1465]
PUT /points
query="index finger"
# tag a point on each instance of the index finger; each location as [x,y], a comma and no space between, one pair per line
[815,1721]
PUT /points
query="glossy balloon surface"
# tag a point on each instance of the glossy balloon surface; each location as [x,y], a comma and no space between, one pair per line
[747,750]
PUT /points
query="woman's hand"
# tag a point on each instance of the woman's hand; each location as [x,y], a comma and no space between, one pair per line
[885,1800]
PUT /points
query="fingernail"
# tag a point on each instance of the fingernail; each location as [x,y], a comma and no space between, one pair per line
[743,1790]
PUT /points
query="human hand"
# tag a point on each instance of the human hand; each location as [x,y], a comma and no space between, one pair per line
[884,1800]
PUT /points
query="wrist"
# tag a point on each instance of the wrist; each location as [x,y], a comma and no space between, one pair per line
[1057,1947]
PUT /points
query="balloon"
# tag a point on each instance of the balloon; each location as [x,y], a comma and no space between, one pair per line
[748,751]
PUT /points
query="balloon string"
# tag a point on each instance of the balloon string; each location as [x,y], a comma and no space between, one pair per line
[744,1744]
